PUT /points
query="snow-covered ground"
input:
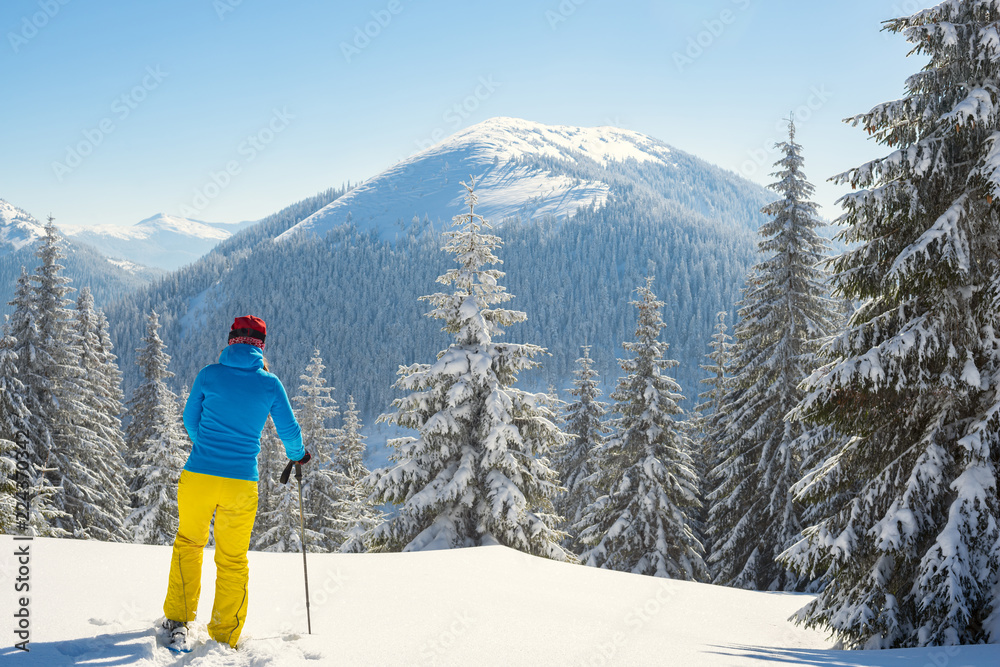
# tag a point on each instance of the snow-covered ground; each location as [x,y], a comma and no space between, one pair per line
[94,603]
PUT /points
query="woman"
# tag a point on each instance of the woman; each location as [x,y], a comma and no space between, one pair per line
[224,415]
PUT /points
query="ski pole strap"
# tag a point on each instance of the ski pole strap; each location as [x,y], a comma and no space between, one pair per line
[287,472]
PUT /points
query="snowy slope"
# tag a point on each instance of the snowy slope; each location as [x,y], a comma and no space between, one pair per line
[94,603]
[18,228]
[162,241]
[500,153]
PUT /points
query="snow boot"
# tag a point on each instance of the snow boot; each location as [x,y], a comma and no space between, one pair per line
[177,637]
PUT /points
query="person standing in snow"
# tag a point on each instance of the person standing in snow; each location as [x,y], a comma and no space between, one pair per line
[224,415]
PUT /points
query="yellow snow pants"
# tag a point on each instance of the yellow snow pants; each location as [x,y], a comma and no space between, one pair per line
[234,503]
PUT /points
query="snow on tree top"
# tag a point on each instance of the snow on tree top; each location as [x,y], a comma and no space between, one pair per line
[502,154]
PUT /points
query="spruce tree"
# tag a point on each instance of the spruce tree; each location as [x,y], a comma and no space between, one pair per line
[64,447]
[42,323]
[642,523]
[785,309]
[712,424]
[576,461]
[21,417]
[94,444]
[324,486]
[155,443]
[477,472]
[270,463]
[356,513]
[277,525]
[915,553]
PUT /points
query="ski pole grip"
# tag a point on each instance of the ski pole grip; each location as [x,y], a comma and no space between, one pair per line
[287,472]
[298,471]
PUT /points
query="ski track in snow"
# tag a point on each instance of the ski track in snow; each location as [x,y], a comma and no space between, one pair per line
[95,603]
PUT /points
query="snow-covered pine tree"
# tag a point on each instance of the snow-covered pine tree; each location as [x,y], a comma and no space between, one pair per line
[718,364]
[713,411]
[21,417]
[53,376]
[270,463]
[477,473]
[915,554]
[583,419]
[12,413]
[155,444]
[356,513]
[277,525]
[324,486]
[784,311]
[94,479]
[642,523]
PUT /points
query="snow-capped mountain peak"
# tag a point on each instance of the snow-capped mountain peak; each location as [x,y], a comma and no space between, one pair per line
[510,138]
[522,168]
[18,228]
[161,223]
[163,241]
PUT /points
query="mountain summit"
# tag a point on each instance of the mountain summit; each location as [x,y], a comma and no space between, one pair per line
[162,241]
[512,160]
[18,228]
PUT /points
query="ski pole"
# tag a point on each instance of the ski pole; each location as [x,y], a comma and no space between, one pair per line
[302,531]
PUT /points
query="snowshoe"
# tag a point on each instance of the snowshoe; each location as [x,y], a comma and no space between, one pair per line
[177,636]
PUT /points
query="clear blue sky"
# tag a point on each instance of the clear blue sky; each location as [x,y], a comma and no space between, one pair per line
[162,94]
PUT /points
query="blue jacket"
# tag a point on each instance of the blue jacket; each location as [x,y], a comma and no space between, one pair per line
[226,412]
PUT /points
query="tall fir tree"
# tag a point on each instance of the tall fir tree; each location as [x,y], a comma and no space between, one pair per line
[710,423]
[155,444]
[324,485]
[270,462]
[96,469]
[12,427]
[576,462]
[785,310]
[277,526]
[66,449]
[915,379]
[642,523]
[22,420]
[358,515]
[477,473]
[47,366]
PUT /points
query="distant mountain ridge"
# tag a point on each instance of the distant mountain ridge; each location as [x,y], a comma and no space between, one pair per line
[108,279]
[163,241]
[585,214]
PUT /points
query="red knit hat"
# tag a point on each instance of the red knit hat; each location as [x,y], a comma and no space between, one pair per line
[249,330]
